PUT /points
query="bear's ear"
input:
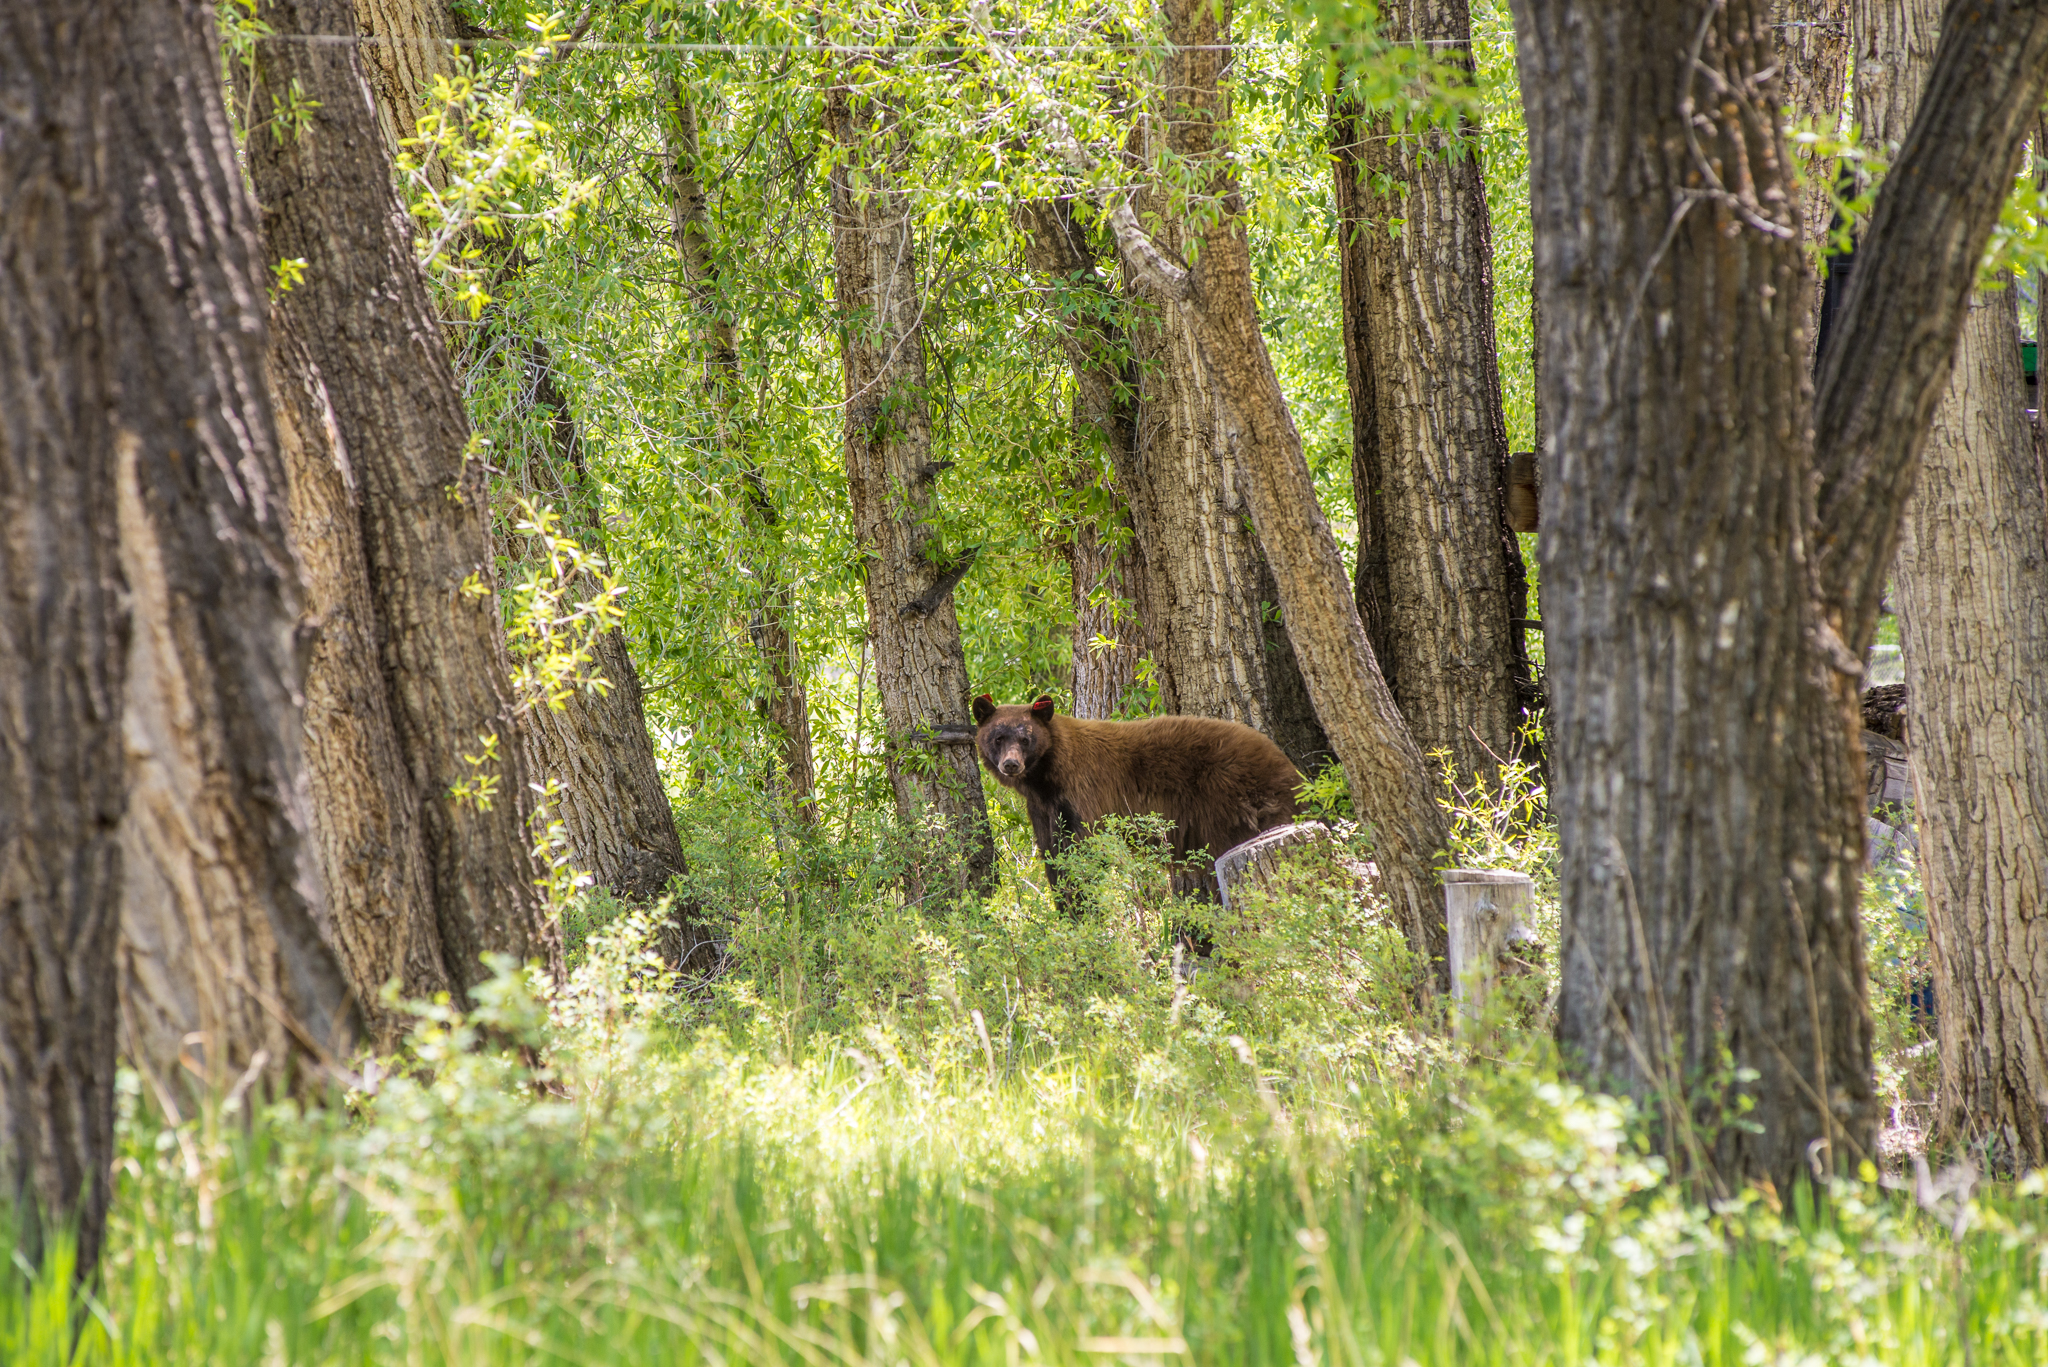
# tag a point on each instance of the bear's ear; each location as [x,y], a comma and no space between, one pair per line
[1042,709]
[984,708]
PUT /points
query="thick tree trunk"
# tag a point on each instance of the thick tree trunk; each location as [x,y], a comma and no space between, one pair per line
[1391,786]
[1111,592]
[1440,575]
[366,821]
[1704,618]
[131,401]
[1690,716]
[1972,585]
[892,479]
[1973,619]
[786,704]
[363,315]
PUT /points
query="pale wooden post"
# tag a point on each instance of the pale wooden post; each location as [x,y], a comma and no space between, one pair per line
[1482,910]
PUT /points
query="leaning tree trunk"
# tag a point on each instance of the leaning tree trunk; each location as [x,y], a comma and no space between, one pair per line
[1973,621]
[1391,786]
[1219,643]
[1112,599]
[1440,576]
[137,462]
[414,46]
[893,481]
[785,704]
[363,314]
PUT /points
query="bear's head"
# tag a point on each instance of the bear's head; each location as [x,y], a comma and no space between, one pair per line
[1013,740]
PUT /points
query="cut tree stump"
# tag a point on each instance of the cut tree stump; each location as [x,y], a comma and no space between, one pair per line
[1487,915]
[1256,862]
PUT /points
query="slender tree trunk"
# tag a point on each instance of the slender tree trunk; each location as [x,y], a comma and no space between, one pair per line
[1391,786]
[1443,580]
[785,705]
[131,401]
[1704,616]
[363,315]
[1973,619]
[1111,592]
[366,820]
[893,481]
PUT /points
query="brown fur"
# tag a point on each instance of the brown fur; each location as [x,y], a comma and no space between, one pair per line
[1218,782]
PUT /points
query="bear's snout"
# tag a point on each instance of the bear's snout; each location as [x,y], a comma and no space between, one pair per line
[1010,766]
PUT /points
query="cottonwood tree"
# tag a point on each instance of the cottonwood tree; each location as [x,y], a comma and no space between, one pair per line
[592,744]
[1716,537]
[1220,644]
[1391,785]
[323,175]
[152,601]
[1113,598]
[1973,624]
[892,480]
[1440,582]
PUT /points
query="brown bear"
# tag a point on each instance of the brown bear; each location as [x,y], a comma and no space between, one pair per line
[1218,782]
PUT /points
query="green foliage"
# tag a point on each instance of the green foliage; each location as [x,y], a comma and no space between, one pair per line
[1122,1165]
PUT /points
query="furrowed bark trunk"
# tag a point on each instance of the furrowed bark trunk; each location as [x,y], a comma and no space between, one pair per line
[1704,618]
[363,314]
[1972,587]
[1111,593]
[131,400]
[1218,638]
[1972,597]
[1391,787]
[366,822]
[892,479]
[416,46]
[1812,38]
[1442,574]
[786,704]
[1711,832]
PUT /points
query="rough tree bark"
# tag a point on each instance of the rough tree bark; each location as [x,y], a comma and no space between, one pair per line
[1812,38]
[786,704]
[131,398]
[1440,580]
[1106,560]
[415,47]
[1391,785]
[1704,617]
[366,820]
[364,318]
[1972,594]
[1219,642]
[892,479]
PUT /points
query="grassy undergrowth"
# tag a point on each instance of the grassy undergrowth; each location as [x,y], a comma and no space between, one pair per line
[981,1134]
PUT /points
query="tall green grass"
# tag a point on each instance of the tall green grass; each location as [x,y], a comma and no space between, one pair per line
[979,1134]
